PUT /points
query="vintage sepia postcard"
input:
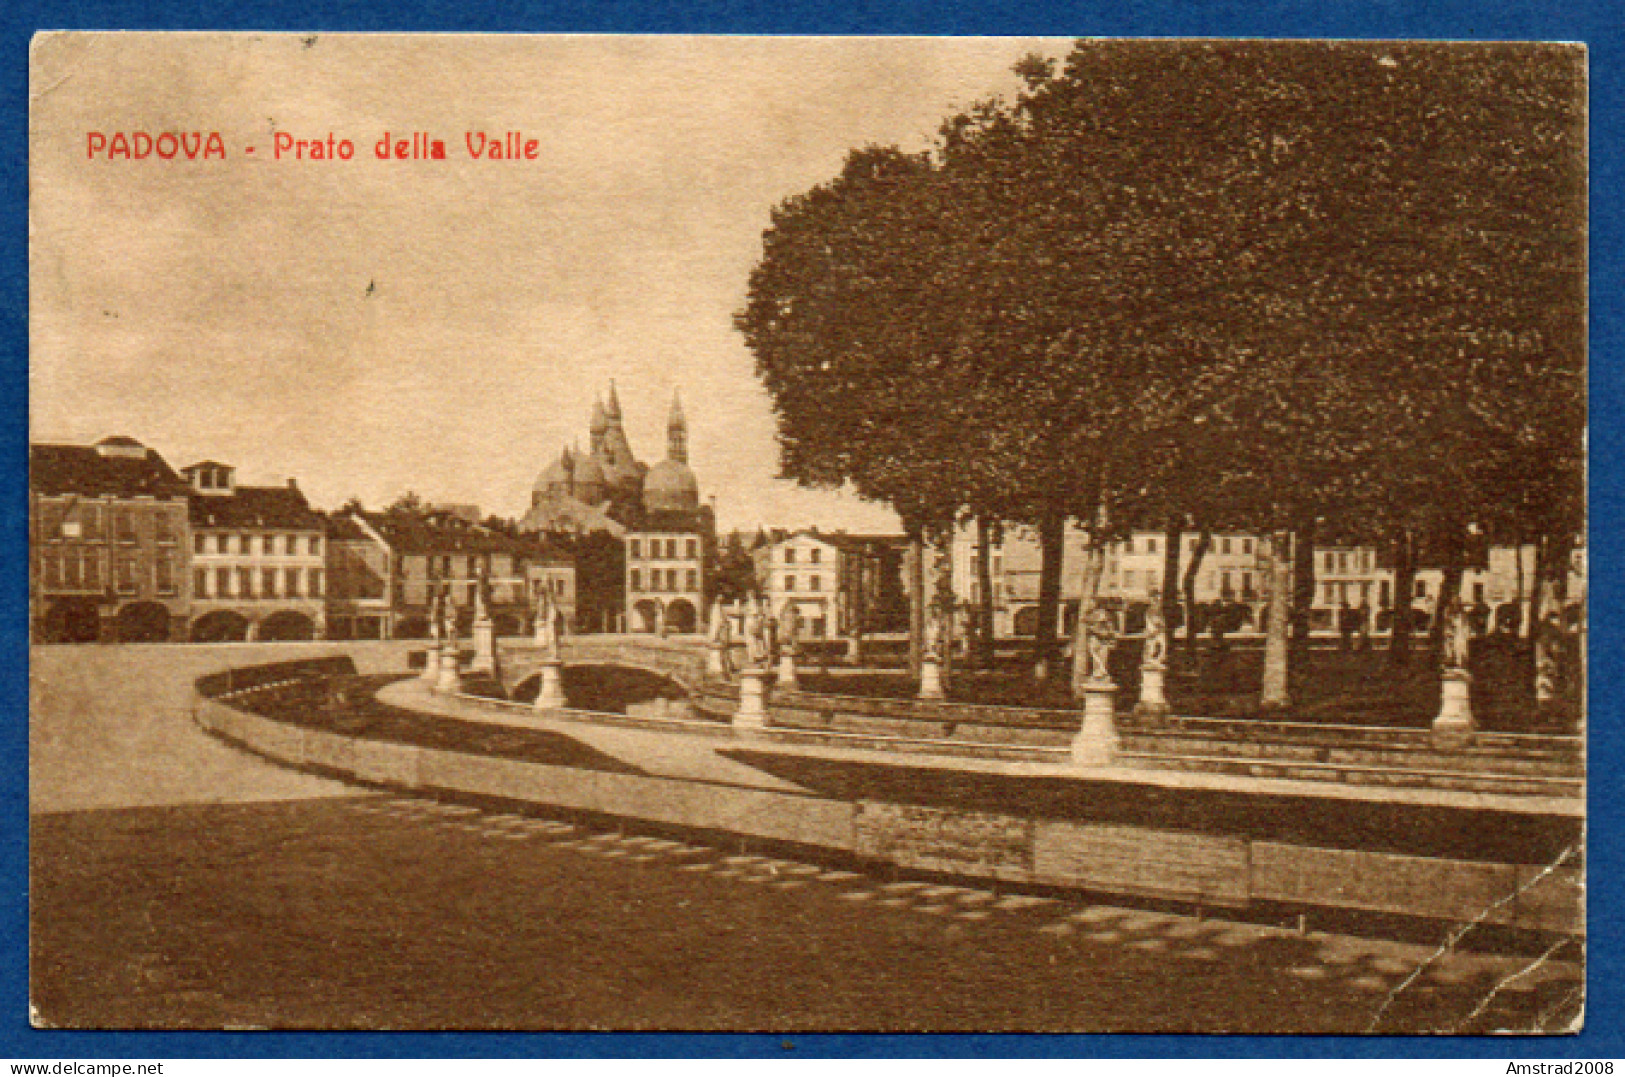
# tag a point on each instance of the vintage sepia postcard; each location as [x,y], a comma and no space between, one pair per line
[807,534]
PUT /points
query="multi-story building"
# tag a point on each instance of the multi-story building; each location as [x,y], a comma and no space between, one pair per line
[360,580]
[839,582]
[259,559]
[108,543]
[432,553]
[802,567]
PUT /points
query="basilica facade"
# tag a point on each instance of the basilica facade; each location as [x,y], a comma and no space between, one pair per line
[643,540]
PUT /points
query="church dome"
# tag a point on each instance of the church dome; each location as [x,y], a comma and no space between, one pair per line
[671,487]
[556,478]
[589,478]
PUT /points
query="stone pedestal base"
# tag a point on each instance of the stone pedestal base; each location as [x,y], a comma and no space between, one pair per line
[1455,703]
[1096,742]
[550,696]
[451,678]
[716,662]
[485,649]
[787,678]
[431,665]
[752,712]
[854,648]
[931,679]
[1153,704]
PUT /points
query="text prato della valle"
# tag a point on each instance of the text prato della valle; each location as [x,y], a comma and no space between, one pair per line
[285,146]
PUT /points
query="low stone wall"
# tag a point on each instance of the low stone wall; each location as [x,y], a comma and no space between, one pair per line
[1203,868]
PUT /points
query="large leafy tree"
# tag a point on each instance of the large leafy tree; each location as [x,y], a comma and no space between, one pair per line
[1252,285]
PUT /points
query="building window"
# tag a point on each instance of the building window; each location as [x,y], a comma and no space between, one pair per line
[126,575]
[315,546]
[1478,594]
[52,569]
[245,583]
[290,543]
[164,528]
[635,548]
[693,580]
[815,555]
[1224,545]
[1328,594]
[637,581]
[222,582]
[1128,579]
[693,550]
[70,572]
[789,583]
[789,555]
[1421,588]
[124,522]
[164,576]
[268,583]
[290,580]
[315,581]
[242,544]
[93,572]
[815,583]
[198,542]
[200,583]
[1247,545]
[1151,546]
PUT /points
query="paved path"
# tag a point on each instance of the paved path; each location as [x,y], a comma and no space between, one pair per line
[110,726]
[406,913]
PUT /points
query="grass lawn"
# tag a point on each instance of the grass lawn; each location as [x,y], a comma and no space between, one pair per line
[1327,685]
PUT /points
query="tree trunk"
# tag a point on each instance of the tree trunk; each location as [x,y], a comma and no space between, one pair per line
[1399,639]
[1172,535]
[984,584]
[942,598]
[1094,563]
[1204,542]
[1274,696]
[916,600]
[1303,579]
[1052,547]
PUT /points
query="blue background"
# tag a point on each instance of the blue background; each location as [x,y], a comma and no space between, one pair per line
[1598,23]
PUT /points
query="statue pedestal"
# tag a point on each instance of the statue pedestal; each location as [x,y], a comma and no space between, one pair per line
[752,712]
[931,678]
[854,649]
[1455,703]
[1153,705]
[1096,742]
[787,678]
[450,679]
[550,696]
[431,664]
[716,662]
[485,648]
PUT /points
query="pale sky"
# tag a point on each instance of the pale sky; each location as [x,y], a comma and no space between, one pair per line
[220,309]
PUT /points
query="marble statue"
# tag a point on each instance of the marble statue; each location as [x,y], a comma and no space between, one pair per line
[934,632]
[547,625]
[756,644]
[1458,634]
[1101,635]
[790,626]
[1155,652]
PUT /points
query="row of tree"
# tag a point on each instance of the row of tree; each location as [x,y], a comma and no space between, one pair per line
[1322,290]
